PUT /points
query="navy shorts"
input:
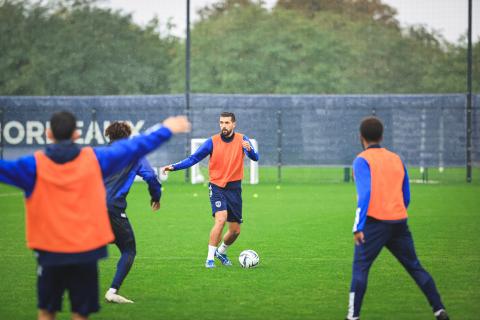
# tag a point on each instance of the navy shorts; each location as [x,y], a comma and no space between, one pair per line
[81,282]
[226,199]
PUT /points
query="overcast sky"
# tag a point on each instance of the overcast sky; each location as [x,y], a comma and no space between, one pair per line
[449,17]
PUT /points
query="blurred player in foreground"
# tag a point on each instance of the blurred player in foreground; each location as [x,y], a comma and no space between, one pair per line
[67,223]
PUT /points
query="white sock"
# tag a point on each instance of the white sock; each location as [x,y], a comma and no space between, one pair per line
[112,290]
[211,252]
[223,248]
[437,313]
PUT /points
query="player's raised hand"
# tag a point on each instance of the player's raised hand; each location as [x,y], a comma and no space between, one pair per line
[155,205]
[178,124]
[246,145]
[165,169]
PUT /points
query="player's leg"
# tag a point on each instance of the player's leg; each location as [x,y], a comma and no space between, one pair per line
[125,241]
[231,235]
[219,212]
[215,236]
[402,247]
[216,232]
[82,285]
[234,219]
[376,235]
[50,288]
[229,238]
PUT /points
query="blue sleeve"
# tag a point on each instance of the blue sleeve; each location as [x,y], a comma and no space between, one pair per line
[406,189]
[121,153]
[252,154]
[19,173]
[146,172]
[361,171]
[205,149]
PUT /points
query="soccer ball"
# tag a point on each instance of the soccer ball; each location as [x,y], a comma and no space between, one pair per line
[163,176]
[249,259]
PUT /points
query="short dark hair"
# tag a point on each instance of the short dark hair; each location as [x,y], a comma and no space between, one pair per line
[118,130]
[63,124]
[228,114]
[371,129]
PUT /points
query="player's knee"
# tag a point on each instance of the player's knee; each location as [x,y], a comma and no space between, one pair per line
[220,221]
[236,232]
[131,258]
[130,254]
[359,281]
[422,277]
[130,248]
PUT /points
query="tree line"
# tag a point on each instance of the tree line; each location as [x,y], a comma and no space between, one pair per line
[75,47]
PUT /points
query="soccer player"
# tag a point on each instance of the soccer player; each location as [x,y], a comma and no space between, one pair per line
[67,223]
[118,187]
[227,150]
[381,218]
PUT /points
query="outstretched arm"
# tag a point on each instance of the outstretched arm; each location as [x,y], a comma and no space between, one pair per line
[154,187]
[20,173]
[124,152]
[204,150]
[361,172]
[249,149]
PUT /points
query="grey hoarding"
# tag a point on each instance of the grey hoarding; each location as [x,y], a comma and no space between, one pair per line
[426,130]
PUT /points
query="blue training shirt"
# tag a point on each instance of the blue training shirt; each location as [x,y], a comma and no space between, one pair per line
[206,149]
[119,184]
[362,177]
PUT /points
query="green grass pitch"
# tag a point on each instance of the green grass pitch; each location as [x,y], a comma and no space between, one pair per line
[302,232]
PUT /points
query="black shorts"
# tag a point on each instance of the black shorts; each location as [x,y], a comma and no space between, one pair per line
[122,229]
[81,282]
[226,199]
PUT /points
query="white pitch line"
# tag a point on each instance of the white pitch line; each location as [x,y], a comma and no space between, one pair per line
[420,181]
[10,194]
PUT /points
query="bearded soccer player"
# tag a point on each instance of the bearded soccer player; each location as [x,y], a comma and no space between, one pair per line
[118,187]
[381,219]
[66,212]
[227,151]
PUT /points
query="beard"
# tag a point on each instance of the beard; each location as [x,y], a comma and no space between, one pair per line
[226,132]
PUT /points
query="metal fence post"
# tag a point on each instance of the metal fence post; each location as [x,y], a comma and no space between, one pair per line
[94,127]
[279,146]
[187,88]
[425,175]
[469,97]
[346,174]
[1,132]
